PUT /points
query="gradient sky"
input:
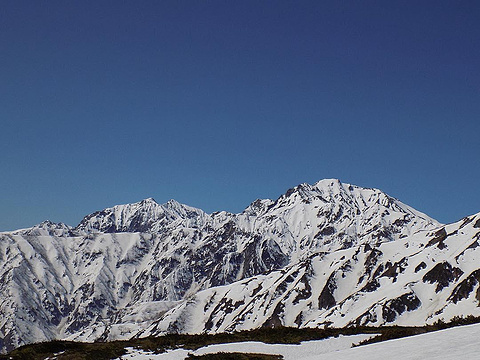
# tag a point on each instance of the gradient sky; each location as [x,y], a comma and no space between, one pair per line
[217,103]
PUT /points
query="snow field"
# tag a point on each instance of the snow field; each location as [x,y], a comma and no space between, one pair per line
[450,344]
[305,350]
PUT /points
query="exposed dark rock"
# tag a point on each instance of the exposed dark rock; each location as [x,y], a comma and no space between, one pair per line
[442,274]
[474,245]
[274,320]
[421,266]
[383,234]
[326,299]
[327,230]
[392,270]
[9,340]
[261,256]
[465,288]
[401,222]
[283,286]
[395,307]
[370,261]
[224,307]
[372,285]
[54,313]
[299,319]
[379,270]
[467,220]
[438,239]
[304,293]
[272,256]
[366,318]
[252,264]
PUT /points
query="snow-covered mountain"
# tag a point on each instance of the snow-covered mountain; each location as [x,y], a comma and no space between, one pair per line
[322,254]
[144,216]
[429,276]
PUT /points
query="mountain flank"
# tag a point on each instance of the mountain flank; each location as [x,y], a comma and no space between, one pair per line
[323,255]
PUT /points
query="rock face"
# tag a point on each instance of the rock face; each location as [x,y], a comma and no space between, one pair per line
[322,254]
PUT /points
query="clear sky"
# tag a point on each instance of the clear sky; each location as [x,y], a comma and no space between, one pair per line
[217,103]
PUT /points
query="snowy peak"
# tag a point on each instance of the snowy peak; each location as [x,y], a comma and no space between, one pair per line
[181,211]
[47,228]
[143,216]
[330,215]
[333,191]
[258,207]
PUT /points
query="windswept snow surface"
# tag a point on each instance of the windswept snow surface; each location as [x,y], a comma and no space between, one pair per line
[451,344]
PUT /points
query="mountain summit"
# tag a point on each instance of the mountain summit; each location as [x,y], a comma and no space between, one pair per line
[144,216]
[320,254]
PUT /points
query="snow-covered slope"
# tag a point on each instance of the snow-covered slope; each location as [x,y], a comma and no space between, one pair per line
[305,350]
[147,268]
[451,344]
[429,276]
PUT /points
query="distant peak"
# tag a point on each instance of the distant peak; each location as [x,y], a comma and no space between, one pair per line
[173,204]
[258,205]
[47,227]
[328,182]
[149,200]
[46,222]
[49,223]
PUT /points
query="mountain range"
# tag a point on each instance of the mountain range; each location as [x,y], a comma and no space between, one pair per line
[327,254]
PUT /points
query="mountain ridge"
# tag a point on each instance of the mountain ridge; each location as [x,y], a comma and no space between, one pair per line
[150,202]
[134,269]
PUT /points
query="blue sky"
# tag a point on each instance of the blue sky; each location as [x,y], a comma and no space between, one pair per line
[217,103]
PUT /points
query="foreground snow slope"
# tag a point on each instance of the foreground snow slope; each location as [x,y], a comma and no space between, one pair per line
[451,344]
[288,351]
